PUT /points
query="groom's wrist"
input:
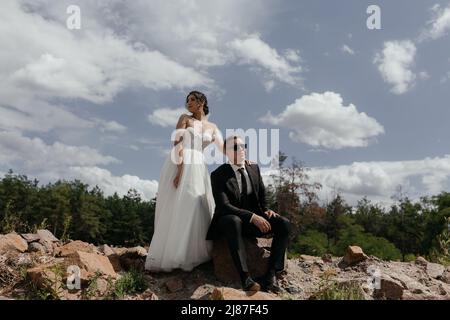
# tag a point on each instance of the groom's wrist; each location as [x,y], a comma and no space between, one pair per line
[251,218]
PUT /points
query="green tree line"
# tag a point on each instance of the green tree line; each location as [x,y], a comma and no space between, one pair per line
[72,209]
[402,231]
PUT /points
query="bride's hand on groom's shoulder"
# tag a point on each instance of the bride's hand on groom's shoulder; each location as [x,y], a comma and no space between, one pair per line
[248,162]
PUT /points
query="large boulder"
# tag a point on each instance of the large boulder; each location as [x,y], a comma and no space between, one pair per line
[132,258]
[49,278]
[435,270]
[446,276]
[46,240]
[39,275]
[30,237]
[390,289]
[12,242]
[421,261]
[353,255]
[91,263]
[36,247]
[202,292]
[46,236]
[106,250]
[112,256]
[74,246]
[258,252]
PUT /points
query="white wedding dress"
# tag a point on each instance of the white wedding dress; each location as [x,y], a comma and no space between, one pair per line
[183,214]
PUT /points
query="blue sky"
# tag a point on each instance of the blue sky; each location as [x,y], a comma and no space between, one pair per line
[366,110]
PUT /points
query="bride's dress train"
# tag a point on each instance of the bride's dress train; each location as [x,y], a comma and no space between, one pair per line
[183,215]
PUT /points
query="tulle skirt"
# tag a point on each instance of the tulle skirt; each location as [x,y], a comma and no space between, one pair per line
[182,216]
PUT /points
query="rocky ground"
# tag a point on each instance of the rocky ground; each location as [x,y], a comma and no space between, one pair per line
[35,266]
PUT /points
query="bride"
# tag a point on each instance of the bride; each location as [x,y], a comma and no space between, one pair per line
[184,203]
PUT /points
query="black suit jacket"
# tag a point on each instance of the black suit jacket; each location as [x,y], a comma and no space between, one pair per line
[226,194]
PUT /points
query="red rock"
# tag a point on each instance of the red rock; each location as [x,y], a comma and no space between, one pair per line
[390,289]
[257,259]
[91,262]
[74,246]
[12,241]
[353,255]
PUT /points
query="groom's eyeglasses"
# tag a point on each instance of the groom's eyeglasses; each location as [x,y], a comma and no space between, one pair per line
[236,146]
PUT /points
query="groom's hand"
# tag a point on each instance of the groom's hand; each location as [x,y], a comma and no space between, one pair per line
[270,213]
[262,224]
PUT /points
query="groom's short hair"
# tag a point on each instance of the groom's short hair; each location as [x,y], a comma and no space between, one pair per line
[230,140]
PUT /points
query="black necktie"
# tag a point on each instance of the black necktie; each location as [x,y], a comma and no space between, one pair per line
[243,185]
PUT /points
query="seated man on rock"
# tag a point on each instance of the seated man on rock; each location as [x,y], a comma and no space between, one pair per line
[241,211]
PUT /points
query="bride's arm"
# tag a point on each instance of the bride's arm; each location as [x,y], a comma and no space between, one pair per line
[218,139]
[178,147]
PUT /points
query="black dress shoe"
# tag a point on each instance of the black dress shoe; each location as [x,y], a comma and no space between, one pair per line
[271,283]
[250,285]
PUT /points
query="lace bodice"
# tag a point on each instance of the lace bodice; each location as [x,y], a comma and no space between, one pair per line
[196,139]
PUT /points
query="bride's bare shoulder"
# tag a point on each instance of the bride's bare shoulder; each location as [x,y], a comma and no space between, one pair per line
[184,116]
[182,121]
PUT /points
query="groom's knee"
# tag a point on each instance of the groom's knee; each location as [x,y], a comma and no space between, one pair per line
[230,224]
[282,226]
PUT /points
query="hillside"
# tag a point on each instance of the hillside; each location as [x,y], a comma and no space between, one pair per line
[34,266]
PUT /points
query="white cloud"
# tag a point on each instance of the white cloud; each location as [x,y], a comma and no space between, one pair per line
[293,55]
[194,33]
[321,120]
[166,117]
[41,62]
[254,51]
[35,155]
[379,180]
[111,184]
[49,163]
[346,49]
[395,62]
[123,45]
[269,85]
[94,64]
[110,126]
[439,25]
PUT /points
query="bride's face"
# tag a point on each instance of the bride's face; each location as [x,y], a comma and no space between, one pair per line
[193,105]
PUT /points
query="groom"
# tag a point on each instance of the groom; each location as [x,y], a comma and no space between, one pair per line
[241,211]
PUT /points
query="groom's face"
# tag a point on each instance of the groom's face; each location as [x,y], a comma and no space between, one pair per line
[236,152]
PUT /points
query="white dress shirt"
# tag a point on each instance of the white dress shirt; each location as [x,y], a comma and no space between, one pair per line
[238,177]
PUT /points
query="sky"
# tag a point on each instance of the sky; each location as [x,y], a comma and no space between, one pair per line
[366,110]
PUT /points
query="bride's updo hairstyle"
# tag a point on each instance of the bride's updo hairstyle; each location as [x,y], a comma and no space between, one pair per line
[200,98]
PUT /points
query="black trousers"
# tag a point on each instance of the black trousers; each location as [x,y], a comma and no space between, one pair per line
[233,229]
